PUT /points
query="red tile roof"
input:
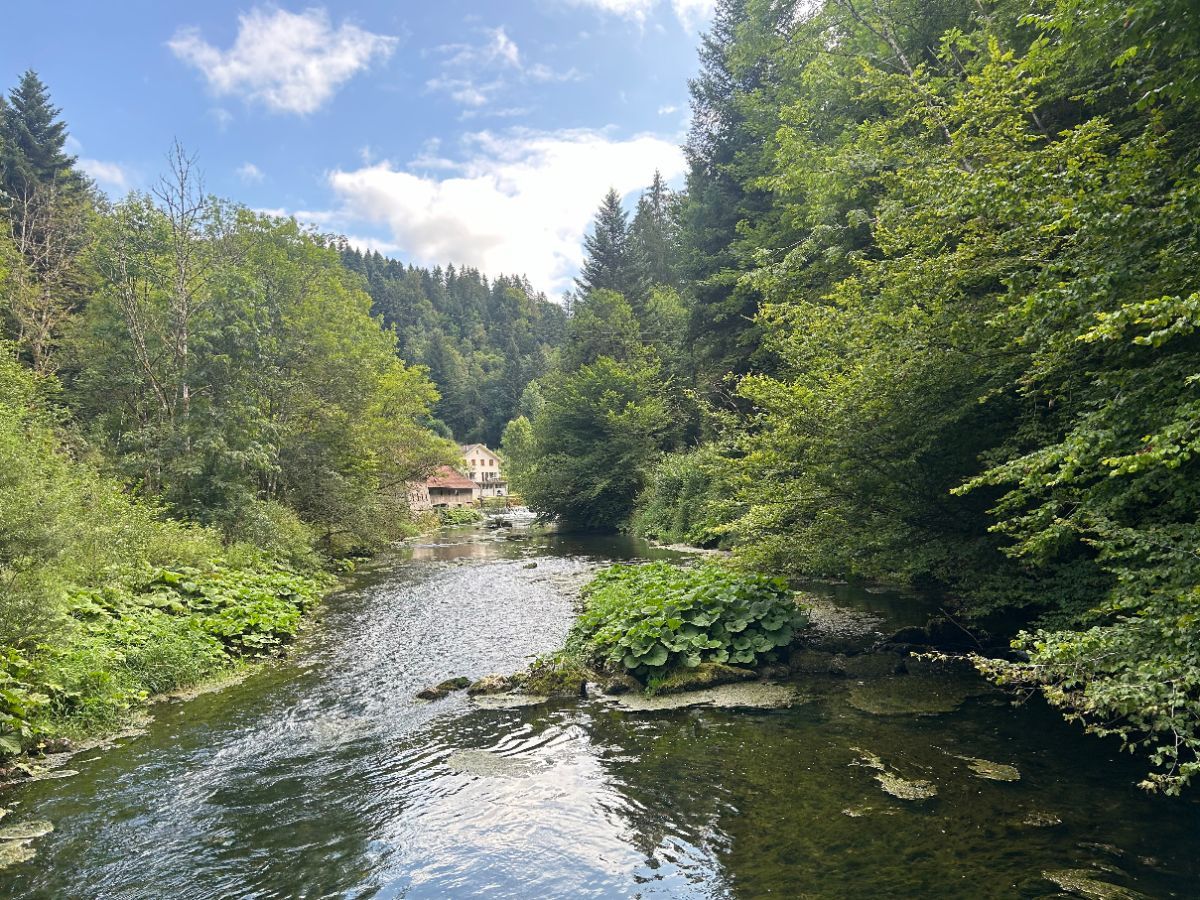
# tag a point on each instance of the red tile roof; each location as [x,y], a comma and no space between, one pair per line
[446,477]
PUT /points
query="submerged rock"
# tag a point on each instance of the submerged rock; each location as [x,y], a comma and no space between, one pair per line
[432,693]
[621,684]
[726,696]
[26,831]
[910,695]
[891,782]
[15,852]
[993,771]
[863,810]
[1083,883]
[508,701]
[488,764]
[458,683]
[1039,818]
[708,674]
[490,684]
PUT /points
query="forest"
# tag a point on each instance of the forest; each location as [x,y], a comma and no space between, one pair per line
[924,313]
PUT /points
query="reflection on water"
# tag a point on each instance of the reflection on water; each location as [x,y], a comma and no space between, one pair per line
[322,777]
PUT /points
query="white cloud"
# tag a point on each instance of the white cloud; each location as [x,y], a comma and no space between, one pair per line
[250,173]
[692,14]
[474,74]
[667,110]
[519,203]
[110,175]
[290,62]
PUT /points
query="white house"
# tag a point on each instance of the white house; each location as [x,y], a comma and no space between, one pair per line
[483,468]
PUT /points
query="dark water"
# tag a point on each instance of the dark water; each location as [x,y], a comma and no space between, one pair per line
[321,777]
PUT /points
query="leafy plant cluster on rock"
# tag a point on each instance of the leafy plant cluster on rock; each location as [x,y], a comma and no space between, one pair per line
[653,619]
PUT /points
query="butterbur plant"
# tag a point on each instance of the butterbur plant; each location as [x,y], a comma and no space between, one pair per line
[650,619]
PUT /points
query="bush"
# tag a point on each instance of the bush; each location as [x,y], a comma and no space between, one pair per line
[652,619]
[684,500]
[462,515]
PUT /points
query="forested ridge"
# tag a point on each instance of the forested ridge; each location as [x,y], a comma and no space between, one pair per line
[482,342]
[928,317]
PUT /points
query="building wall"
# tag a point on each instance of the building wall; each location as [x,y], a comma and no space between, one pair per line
[482,466]
[418,497]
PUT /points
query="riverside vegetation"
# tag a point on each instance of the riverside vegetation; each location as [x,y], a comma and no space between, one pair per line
[200,418]
[925,312]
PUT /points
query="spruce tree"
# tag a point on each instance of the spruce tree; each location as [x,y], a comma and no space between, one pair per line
[34,139]
[611,262]
[654,234]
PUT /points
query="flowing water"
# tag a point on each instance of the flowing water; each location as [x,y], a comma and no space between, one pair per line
[321,776]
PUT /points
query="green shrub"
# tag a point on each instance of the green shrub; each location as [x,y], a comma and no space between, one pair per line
[684,501]
[460,515]
[651,619]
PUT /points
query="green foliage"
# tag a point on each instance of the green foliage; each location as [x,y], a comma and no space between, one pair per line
[459,515]
[685,500]
[597,435]
[162,630]
[652,619]
[482,343]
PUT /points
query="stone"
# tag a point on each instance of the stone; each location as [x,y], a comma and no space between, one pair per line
[909,695]
[508,701]
[708,674]
[1083,883]
[873,665]
[490,684]
[458,683]
[15,852]
[26,831]
[1038,818]
[755,695]
[530,565]
[891,782]
[487,764]
[621,684]
[993,771]
[432,693]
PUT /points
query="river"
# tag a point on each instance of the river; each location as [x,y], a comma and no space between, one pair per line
[321,776]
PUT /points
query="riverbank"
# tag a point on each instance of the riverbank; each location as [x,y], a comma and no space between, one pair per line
[123,645]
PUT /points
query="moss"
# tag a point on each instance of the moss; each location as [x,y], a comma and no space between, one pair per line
[909,695]
[490,684]
[702,676]
[1083,883]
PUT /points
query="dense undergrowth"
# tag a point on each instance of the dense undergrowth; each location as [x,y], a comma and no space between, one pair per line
[105,600]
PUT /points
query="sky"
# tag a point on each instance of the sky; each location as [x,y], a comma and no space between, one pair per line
[474,133]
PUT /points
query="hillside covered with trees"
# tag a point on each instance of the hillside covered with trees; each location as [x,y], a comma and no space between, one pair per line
[925,313]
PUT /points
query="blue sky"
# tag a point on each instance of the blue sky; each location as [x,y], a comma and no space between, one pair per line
[482,133]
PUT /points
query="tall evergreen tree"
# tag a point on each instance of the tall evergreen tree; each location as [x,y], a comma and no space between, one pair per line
[611,262]
[654,234]
[34,139]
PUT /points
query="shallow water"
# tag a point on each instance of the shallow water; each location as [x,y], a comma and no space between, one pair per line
[322,777]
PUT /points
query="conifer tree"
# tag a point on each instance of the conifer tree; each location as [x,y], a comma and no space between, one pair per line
[654,234]
[611,262]
[34,139]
